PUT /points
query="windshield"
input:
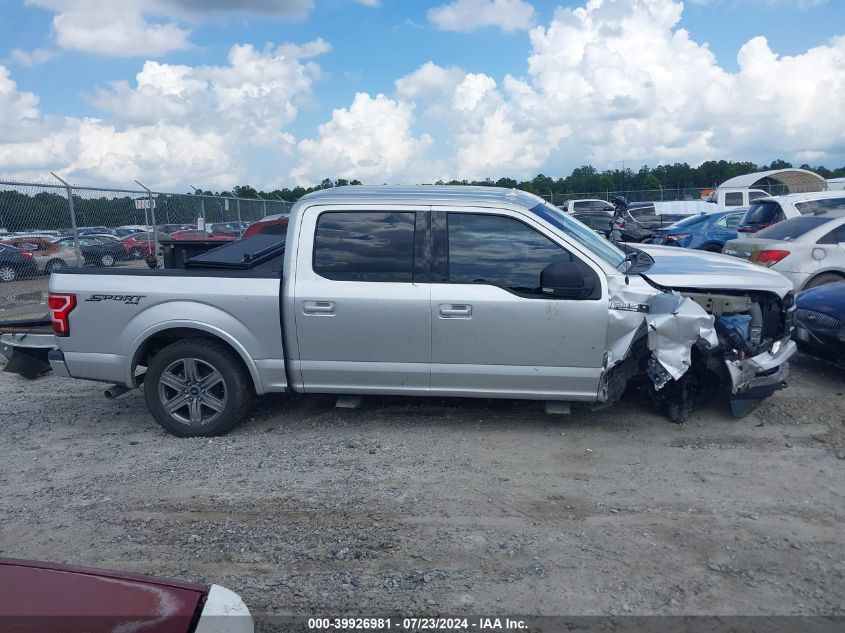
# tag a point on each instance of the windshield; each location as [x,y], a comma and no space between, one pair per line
[585,236]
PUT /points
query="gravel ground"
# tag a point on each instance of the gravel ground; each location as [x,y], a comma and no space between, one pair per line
[436,506]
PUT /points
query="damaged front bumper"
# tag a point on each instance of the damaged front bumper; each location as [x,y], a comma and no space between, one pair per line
[758,377]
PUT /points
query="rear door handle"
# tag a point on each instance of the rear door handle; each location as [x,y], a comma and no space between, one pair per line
[320,308]
[449,311]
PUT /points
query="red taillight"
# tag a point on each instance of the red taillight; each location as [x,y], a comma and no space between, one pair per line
[769,258]
[26,255]
[60,307]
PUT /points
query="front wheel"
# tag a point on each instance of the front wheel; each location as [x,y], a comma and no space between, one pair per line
[107,260]
[8,273]
[198,388]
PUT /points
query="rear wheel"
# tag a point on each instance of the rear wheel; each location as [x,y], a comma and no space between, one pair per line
[54,264]
[820,280]
[8,273]
[198,388]
[107,260]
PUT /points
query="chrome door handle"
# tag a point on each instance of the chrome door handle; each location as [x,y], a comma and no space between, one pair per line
[448,311]
[322,308]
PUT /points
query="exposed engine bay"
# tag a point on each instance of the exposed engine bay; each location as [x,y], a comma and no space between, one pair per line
[681,345]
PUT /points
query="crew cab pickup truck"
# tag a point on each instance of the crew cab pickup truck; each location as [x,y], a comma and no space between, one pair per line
[425,291]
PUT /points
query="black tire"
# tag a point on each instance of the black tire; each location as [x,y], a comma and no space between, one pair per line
[107,260]
[54,264]
[8,273]
[712,248]
[824,278]
[232,391]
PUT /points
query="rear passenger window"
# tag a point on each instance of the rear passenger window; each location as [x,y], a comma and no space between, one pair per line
[365,246]
[500,251]
[820,206]
[836,236]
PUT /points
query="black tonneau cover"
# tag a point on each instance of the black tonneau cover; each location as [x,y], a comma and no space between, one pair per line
[244,254]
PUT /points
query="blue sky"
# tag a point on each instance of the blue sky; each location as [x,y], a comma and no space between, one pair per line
[369,48]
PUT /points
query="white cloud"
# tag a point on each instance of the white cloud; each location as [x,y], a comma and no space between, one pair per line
[371,141]
[33,57]
[617,80]
[146,27]
[469,15]
[176,124]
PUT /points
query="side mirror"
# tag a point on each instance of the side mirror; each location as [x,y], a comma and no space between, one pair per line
[566,281]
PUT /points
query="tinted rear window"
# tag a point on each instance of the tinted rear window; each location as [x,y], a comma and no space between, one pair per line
[793,228]
[762,213]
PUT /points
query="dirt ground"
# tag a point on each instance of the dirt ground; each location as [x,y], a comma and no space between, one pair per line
[428,507]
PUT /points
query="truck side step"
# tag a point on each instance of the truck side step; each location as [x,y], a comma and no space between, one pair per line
[349,402]
[556,407]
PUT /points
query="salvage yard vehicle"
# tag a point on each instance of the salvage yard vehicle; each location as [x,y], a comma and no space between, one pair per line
[440,291]
[820,322]
[765,212]
[15,263]
[809,250]
[48,255]
[97,251]
[41,597]
[705,231]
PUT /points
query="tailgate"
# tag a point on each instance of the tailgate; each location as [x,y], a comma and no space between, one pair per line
[26,344]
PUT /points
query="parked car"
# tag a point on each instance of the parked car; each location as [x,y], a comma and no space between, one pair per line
[96,230]
[765,212]
[125,231]
[48,255]
[269,225]
[223,228]
[15,263]
[631,229]
[41,597]
[809,250]
[170,228]
[820,322]
[420,299]
[588,205]
[199,234]
[731,197]
[139,245]
[706,231]
[97,251]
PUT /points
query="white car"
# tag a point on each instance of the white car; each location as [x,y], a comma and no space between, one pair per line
[767,211]
[808,250]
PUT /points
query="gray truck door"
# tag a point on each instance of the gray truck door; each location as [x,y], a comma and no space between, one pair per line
[493,330]
[363,323]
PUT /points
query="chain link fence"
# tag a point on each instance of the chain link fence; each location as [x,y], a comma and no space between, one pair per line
[47,226]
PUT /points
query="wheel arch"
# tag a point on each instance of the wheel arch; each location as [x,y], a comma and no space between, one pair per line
[832,271]
[159,337]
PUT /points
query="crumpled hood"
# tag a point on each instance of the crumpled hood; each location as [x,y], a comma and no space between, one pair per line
[685,268]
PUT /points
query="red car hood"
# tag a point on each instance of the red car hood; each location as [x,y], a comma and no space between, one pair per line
[40,597]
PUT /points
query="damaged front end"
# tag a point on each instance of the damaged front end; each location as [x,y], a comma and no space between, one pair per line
[683,344]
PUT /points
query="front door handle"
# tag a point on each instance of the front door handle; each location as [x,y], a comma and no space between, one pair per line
[321,308]
[449,311]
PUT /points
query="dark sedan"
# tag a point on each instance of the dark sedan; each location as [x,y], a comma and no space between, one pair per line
[820,322]
[15,263]
[98,251]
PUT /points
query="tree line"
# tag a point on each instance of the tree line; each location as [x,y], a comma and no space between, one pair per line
[586,179]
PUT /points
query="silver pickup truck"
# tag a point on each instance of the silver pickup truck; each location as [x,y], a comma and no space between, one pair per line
[426,291]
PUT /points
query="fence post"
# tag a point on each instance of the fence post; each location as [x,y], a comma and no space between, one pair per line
[202,206]
[238,207]
[263,208]
[72,219]
[153,216]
